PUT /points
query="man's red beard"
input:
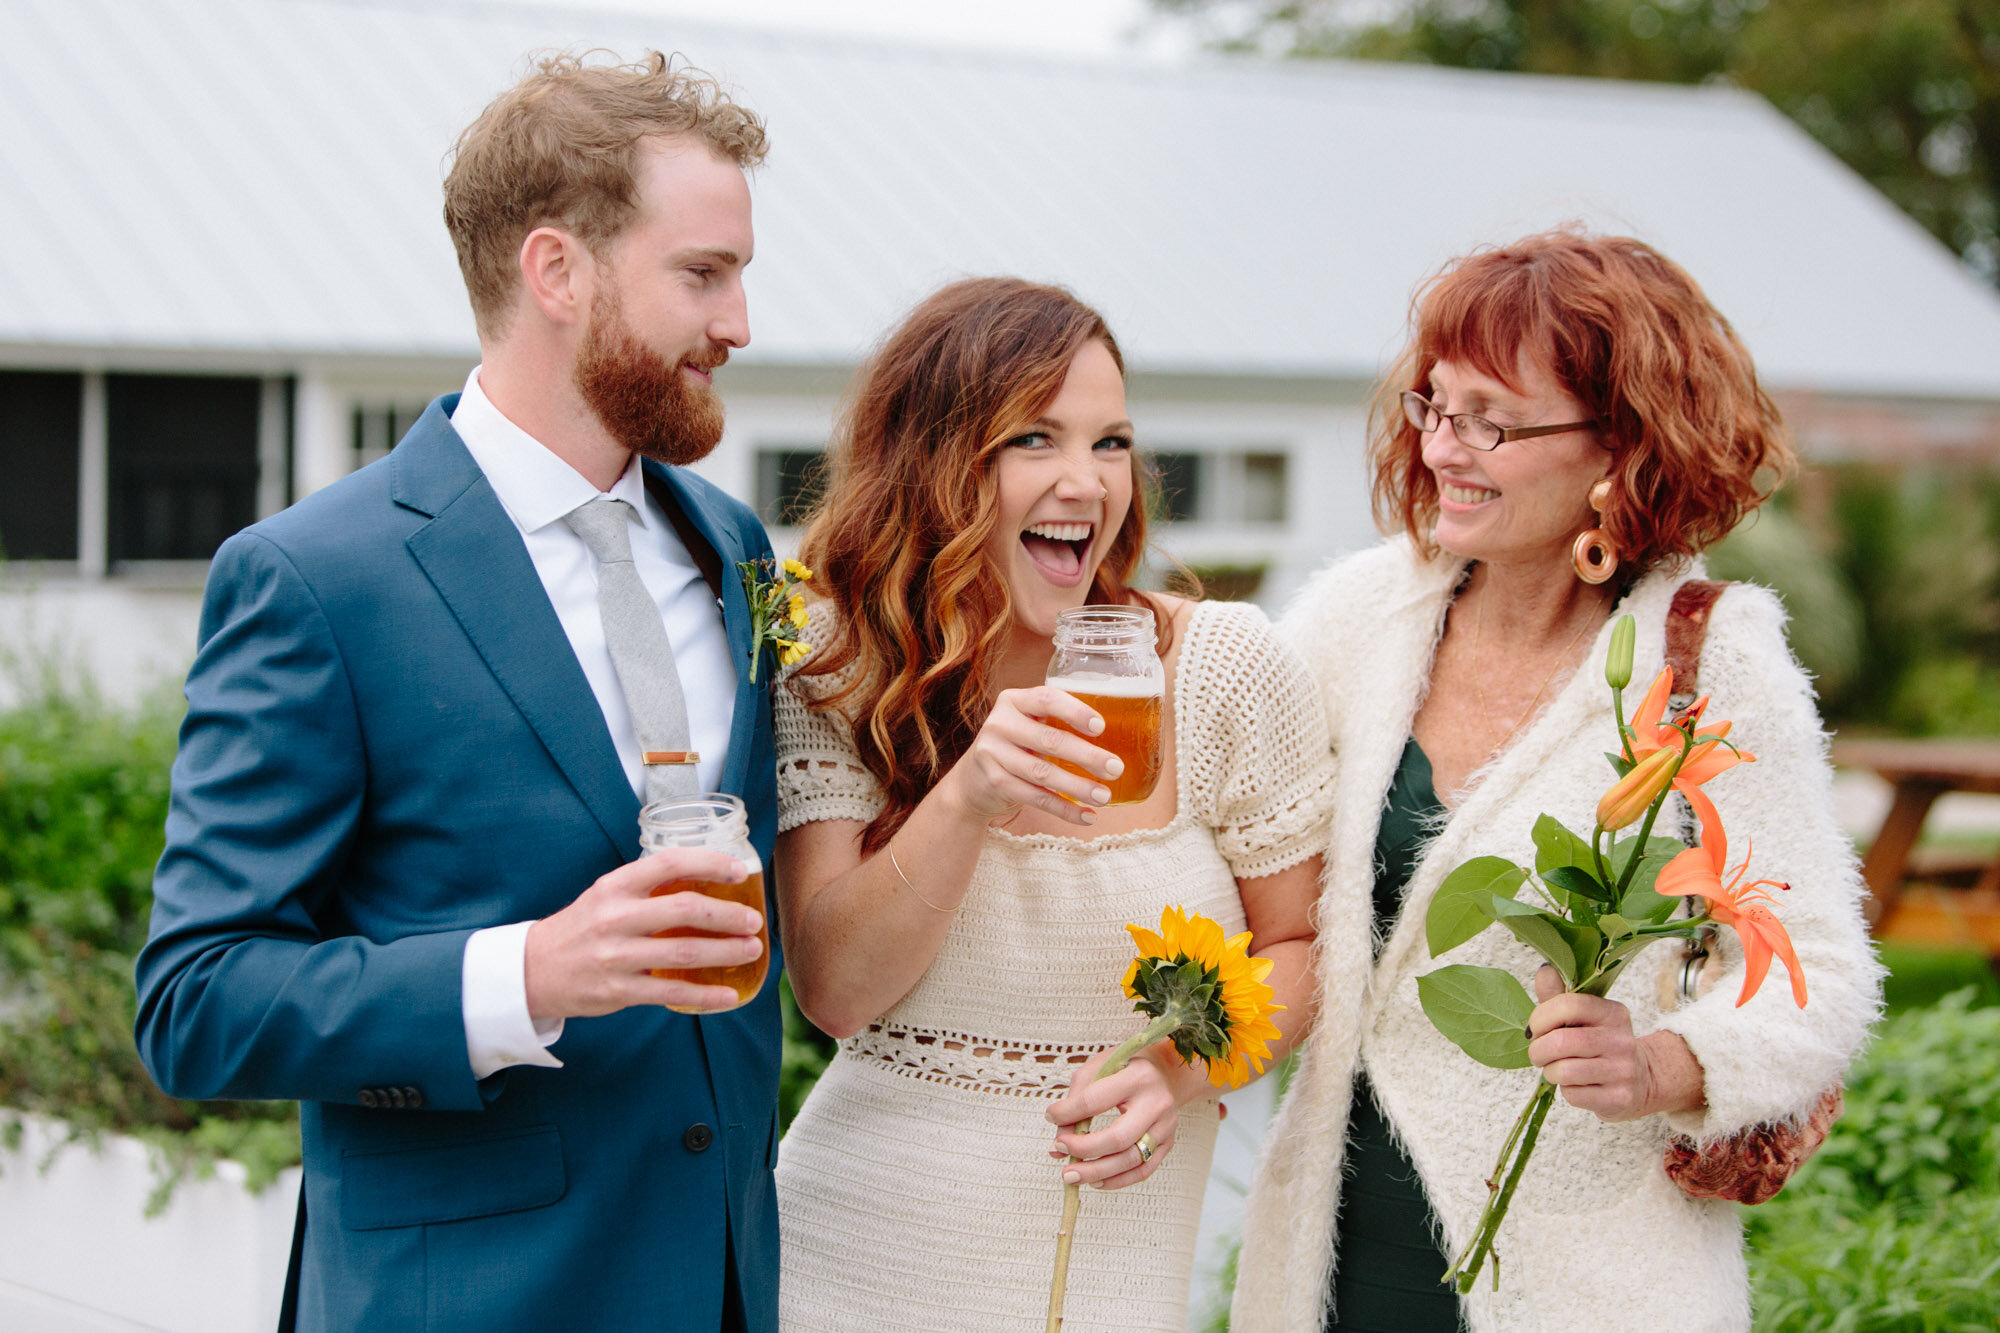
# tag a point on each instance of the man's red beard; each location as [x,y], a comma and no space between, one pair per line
[645,402]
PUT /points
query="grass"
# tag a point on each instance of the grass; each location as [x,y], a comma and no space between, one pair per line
[1921,975]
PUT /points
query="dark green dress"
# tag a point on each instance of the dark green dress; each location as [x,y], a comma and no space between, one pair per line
[1388,1268]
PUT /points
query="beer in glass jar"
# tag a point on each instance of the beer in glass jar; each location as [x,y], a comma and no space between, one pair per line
[1105,656]
[717,822]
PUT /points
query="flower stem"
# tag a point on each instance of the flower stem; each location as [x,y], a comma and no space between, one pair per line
[1073,1194]
[1526,1130]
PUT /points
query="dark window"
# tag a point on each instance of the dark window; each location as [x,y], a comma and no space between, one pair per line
[40,420]
[1180,487]
[1264,487]
[789,482]
[183,463]
[378,429]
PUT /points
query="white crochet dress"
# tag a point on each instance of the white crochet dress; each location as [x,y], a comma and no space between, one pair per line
[915,1188]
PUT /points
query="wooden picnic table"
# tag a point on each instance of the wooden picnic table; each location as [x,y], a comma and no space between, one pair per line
[1920,771]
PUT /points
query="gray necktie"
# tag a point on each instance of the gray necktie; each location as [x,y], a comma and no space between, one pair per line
[640,651]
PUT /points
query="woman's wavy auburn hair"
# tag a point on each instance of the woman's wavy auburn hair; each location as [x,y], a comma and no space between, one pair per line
[1697,443]
[897,542]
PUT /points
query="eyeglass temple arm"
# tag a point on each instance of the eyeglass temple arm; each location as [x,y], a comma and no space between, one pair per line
[1530,432]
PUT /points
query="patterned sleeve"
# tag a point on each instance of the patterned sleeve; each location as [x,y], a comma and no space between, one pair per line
[820,776]
[1262,762]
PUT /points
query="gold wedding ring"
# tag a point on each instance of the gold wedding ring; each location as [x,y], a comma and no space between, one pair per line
[1145,1149]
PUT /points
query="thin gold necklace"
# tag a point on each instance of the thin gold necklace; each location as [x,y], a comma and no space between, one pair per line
[1479,693]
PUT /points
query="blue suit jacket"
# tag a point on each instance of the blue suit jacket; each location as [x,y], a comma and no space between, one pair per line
[389,744]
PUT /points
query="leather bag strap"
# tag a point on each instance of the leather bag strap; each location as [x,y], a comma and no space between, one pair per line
[1687,628]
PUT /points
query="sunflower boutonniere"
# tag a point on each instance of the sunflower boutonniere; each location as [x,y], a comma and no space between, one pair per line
[777,609]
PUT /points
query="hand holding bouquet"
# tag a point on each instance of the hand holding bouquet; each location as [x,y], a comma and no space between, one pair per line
[1594,904]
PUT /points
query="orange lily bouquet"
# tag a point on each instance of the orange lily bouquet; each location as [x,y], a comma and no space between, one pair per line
[1206,995]
[1600,900]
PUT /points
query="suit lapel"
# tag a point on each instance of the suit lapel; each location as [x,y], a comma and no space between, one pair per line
[684,499]
[475,558]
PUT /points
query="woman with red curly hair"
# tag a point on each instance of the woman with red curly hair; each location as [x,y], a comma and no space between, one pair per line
[954,903]
[1571,425]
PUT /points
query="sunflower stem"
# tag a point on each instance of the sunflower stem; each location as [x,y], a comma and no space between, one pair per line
[1158,1029]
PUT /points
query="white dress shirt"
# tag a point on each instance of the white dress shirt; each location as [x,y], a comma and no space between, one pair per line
[537,489]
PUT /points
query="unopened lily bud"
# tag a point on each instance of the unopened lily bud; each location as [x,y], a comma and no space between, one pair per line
[1634,793]
[1618,662]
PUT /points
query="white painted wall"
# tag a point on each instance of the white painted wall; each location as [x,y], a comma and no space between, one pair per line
[79,1255]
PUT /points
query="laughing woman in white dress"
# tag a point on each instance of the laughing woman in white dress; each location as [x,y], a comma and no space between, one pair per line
[953,903]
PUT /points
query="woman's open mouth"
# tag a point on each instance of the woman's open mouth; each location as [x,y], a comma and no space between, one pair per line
[1466,495]
[1058,549]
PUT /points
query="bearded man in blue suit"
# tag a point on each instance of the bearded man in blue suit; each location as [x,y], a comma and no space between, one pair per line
[400,882]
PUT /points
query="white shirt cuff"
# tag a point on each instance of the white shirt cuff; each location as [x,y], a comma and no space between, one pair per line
[494,992]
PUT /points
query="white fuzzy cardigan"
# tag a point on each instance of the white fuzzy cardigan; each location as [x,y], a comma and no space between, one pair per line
[1594,1203]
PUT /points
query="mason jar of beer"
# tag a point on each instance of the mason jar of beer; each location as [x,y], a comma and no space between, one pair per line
[1105,656]
[717,822]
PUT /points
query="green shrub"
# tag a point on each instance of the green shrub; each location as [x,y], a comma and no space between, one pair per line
[1774,549]
[1890,1226]
[1923,1111]
[1821,1265]
[83,804]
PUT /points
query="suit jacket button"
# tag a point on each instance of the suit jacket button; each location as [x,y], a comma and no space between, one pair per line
[366,1097]
[413,1098]
[395,1098]
[697,1138]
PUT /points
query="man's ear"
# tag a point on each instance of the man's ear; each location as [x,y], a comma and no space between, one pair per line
[558,272]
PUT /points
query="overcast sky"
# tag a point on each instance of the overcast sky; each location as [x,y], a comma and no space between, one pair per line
[1079,27]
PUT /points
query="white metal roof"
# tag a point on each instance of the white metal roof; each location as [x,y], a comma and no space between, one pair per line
[263,176]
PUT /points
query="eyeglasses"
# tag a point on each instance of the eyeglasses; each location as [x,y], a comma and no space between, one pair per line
[1476,432]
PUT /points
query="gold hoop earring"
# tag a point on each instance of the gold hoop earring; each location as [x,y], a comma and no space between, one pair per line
[1595,555]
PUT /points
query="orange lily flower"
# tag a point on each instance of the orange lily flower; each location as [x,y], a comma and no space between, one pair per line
[1633,794]
[1699,871]
[1650,732]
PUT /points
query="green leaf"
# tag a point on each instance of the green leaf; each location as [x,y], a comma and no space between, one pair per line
[1459,910]
[1556,846]
[1619,763]
[1641,903]
[1482,1010]
[1579,883]
[1572,948]
[1614,926]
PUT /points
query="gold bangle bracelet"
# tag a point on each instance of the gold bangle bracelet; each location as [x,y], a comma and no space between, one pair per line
[911,887]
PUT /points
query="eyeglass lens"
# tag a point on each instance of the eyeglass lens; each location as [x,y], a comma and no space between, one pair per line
[1473,431]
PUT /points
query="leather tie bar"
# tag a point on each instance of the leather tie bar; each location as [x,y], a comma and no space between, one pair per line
[670,757]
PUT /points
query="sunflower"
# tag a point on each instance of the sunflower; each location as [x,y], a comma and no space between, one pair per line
[1213,989]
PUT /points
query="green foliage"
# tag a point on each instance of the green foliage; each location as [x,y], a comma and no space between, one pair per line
[83,800]
[803,1059]
[1923,1115]
[1819,1266]
[1921,549]
[1483,1010]
[1921,974]
[1906,92]
[1890,1226]
[1463,903]
[1775,549]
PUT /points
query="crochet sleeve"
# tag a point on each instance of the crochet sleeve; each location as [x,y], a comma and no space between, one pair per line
[820,775]
[1261,761]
